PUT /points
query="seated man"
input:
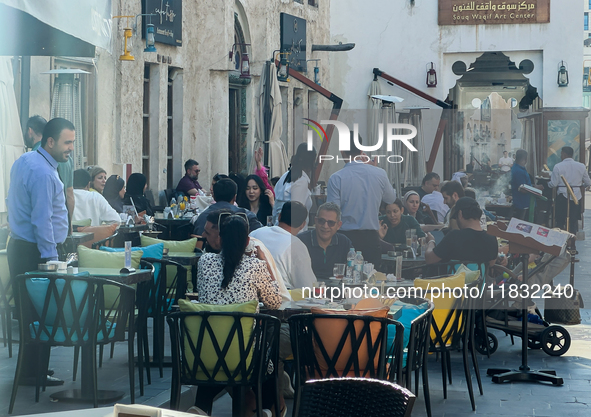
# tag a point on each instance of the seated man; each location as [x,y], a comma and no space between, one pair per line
[451,191]
[91,205]
[189,184]
[289,253]
[469,243]
[224,193]
[325,246]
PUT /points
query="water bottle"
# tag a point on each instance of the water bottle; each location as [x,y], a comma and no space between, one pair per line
[358,267]
[128,254]
[350,259]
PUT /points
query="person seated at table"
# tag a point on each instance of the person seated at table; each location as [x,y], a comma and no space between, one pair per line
[189,185]
[215,179]
[469,243]
[394,224]
[413,207]
[452,191]
[136,186]
[98,179]
[290,253]
[231,277]
[114,192]
[224,193]
[325,246]
[257,198]
[91,205]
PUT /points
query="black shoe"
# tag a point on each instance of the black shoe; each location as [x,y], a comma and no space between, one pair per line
[50,372]
[31,381]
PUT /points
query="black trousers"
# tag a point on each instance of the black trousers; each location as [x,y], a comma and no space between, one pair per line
[368,242]
[561,211]
[24,257]
[521,214]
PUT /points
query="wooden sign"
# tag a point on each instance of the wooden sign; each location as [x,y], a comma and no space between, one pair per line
[493,12]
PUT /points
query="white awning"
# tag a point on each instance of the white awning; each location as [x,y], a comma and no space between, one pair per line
[54,27]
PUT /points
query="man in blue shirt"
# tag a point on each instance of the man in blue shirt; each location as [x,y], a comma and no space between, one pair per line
[37,212]
[519,176]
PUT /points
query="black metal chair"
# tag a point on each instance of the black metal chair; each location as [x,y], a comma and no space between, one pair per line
[453,332]
[55,310]
[360,351]
[417,351]
[166,291]
[354,397]
[235,350]
[108,241]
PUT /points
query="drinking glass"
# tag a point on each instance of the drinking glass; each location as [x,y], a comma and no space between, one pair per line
[408,234]
[339,271]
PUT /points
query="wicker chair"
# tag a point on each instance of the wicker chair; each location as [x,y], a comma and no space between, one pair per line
[354,397]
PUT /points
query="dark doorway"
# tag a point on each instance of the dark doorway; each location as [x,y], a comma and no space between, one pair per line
[234,142]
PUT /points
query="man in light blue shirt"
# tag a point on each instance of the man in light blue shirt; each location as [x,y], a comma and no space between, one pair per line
[359,189]
[37,212]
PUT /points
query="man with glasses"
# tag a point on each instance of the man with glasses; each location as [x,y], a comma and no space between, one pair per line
[290,254]
[189,184]
[325,246]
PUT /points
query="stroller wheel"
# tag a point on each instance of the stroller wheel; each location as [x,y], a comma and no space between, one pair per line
[555,340]
[493,344]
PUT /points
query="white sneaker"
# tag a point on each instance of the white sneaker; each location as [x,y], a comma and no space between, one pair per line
[285,382]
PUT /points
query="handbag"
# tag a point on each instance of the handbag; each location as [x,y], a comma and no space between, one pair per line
[564,310]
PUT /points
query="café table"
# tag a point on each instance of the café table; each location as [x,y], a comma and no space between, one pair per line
[503,210]
[125,233]
[186,258]
[291,308]
[171,228]
[84,394]
[77,238]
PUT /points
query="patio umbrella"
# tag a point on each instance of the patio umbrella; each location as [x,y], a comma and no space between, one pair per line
[268,121]
[11,136]
[373,111]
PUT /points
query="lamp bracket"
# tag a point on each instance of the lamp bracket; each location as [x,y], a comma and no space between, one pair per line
[143,14]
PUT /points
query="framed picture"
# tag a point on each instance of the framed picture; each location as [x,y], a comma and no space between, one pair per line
[563,133]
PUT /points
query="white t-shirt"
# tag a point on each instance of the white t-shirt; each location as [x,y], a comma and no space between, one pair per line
[290,255]
[505,163]
[292,191]
[93,206]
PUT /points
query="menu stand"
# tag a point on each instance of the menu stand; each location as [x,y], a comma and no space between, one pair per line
[523,246]
[533,194]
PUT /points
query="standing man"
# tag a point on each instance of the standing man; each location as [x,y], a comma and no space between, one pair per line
[520,176]
[65,169]
[506,162]
[576,175]
[189,184]
[37,211]
[359,189]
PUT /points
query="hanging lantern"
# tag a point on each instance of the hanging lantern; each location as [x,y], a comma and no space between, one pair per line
[431,75]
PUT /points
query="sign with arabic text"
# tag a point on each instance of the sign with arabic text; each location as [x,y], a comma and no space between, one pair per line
[167,19]
[493,12]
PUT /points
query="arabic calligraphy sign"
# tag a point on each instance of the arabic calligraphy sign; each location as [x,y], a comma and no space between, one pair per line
[487,12]
[167,20]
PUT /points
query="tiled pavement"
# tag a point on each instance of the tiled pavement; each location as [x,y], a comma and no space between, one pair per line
[511,399]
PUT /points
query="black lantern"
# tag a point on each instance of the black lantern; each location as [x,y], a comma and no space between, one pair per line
[283,70]
[562,75]
[244,65]
[431,75]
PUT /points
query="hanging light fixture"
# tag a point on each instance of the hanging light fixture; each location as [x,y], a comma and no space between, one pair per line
[127,33]
[562,74]
[316,70]
[244,64]
[431,75]
[150,39]
[283,69]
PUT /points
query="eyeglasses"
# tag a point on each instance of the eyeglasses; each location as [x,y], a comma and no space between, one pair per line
[322,222]
[224,216]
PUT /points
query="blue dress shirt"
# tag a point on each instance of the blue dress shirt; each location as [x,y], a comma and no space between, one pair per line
[36,202]
[519,176]
[359,189]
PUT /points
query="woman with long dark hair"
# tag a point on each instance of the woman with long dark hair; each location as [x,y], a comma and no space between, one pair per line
[232,276]
[257,198]
[294,185]
[136,186]
[114,192]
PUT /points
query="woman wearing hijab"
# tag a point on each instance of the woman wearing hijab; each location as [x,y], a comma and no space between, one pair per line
[136,185]
[412,207]
[114,192]
[294,185]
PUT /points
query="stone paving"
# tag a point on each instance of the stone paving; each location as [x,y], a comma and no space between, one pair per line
[511,399]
